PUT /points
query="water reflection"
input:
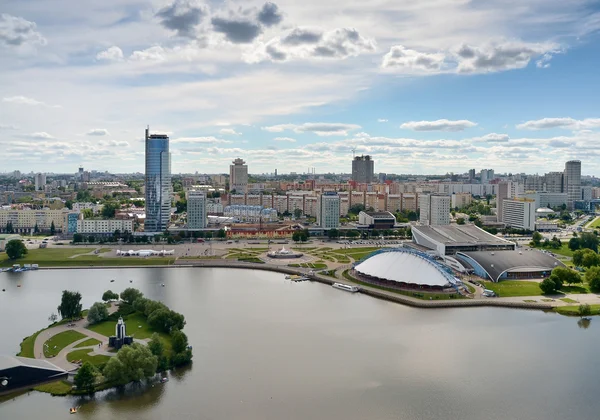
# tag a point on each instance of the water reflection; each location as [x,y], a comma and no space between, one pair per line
[584,323]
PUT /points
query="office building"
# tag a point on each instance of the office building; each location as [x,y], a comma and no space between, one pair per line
[328,210]
[546,199]
[586,193]
[471,176]
[196,209]
[461,200]
[486,176]
[158,182]
[104,226]
[238,176]
[363,170]
[572,182]
[40,181]
[554,182]
[519,213]
[435,209]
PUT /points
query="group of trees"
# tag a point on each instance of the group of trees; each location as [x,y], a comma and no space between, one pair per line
[181,351]
[98,312]
[159,316]
[301,235]
[585,240]
[586,258]
[559,277]
[553,243]
[109,295]
[132,363]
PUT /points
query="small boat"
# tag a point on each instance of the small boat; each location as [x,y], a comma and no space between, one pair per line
[163,380]
[130,281]
[112,281]
[346,287]
[18,285]
[73,410]
[163,285]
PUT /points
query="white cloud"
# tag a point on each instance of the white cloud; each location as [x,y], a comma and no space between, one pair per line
[305,43]
[320,129]
[42,135]
[155,53]
[113,53]
[98,132]
[493,138]
[23,100]
[467,59]
[438,125]
[199,140]
[16,31]
[285,139]
[382,120]
[8,127]
[229,131]
[566,123]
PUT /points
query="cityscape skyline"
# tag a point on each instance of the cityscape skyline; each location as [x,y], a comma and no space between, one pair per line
[506,88]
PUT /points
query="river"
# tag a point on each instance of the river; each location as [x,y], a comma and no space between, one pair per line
[266,348]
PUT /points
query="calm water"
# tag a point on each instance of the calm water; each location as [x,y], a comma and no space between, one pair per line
[266,348]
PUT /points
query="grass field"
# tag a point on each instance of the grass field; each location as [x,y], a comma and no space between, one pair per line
[567,300]
[27,346]
[563,250]
[68,257]
[87,343]
[508,288]
[574,310]
[55,344]
[85,357]
[58,388]
[595,224]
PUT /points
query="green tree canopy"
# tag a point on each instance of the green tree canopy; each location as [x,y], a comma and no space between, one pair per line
[592,277]
[70,305]
[15,249]
[130,294]
[97,313]
[132,363]
[562,275]
[586,258]
[548,286]
[574,244]
[585,310]
[86,377]
[181,353]
[589,240]
[52,228]
[109,295]
[109,209]
[537,238]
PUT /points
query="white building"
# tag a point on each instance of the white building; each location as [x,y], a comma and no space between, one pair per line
[196,210]
[96,208]
[435,209]
[246,213]
[547,199]
[519,213]
[238,176]
[40,181]
[572,181]
[24,221]
[104,226]
[328,214]
[214,208]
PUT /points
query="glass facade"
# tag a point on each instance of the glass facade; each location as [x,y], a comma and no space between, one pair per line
[158,183]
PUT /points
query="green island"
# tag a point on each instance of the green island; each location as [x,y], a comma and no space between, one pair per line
[154,342]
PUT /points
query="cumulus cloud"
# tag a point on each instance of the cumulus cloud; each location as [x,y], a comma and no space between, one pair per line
[182,16]
[113,53]
[16,31]
[566,123]
[155,53]
[320,129]
[269,14]
[199,140]
[382,120]
[98,132]
[42,135]
[285,139]
[439,125]
[237,29]
[23,100]
[468,59]
[493,138]
[229,131]
[302,43]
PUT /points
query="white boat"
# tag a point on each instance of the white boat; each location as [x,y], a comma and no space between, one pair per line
[346,287]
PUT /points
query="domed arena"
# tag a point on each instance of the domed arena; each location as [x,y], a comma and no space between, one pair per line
[404,268]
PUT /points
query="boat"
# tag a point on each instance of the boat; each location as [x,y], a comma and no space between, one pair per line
[163,380]
[73,410]
[297,278]
[112,281]
[163,285]
[346,287]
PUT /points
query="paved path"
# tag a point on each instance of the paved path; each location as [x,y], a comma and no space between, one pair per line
[60,359]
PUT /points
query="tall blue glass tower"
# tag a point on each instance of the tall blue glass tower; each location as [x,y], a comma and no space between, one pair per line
[158,182]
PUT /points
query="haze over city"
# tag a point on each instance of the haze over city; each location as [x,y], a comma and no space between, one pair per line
[422,87]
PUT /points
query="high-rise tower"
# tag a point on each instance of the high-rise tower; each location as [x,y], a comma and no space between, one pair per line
[572,182]
[158,182]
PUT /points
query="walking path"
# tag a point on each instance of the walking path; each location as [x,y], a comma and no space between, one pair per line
[80,326]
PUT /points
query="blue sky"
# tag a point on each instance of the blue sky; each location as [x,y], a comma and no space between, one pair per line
[424,87]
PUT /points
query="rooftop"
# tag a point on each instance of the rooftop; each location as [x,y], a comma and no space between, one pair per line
[379,214]
[8,362]
[460,235]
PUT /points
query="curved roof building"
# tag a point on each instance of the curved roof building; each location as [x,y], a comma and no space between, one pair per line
[402,267]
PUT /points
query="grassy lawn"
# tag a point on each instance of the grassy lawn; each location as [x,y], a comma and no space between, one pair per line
[135,323]
[85,357]
[61,257]
[568,300]
[251,260]
[574,310]
[563,250]
[57,388]
[594,224]
[413,294]
[87,343]
[27,346]
[508,288]
[55,344]
[329,273]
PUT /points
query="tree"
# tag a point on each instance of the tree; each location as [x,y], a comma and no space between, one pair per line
[9,227]
[589,240]
[181,206]
[91,239]
[70,305]
[157,348]
[109,295]
[87,213]
[69,204]
[356,208]
[109,209]
[537,238]
[590,258]
[52,318]
[584,310]
[333,233]
[592,277]
[36,229]
[548,286]
[221,233]
[97,313]
[52,228]
[130,294]
[77,237]
[132,363]
[460,221]
[182,354]
[166,320]
[85,377]
[563,275]
[297,213]
[15,249]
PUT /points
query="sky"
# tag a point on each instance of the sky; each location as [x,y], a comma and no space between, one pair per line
[424,87]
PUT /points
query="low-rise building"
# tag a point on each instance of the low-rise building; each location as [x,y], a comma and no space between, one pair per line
[377,220]
[25,220]
[104,226]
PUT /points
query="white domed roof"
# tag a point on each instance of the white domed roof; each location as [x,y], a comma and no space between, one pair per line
[405,267]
